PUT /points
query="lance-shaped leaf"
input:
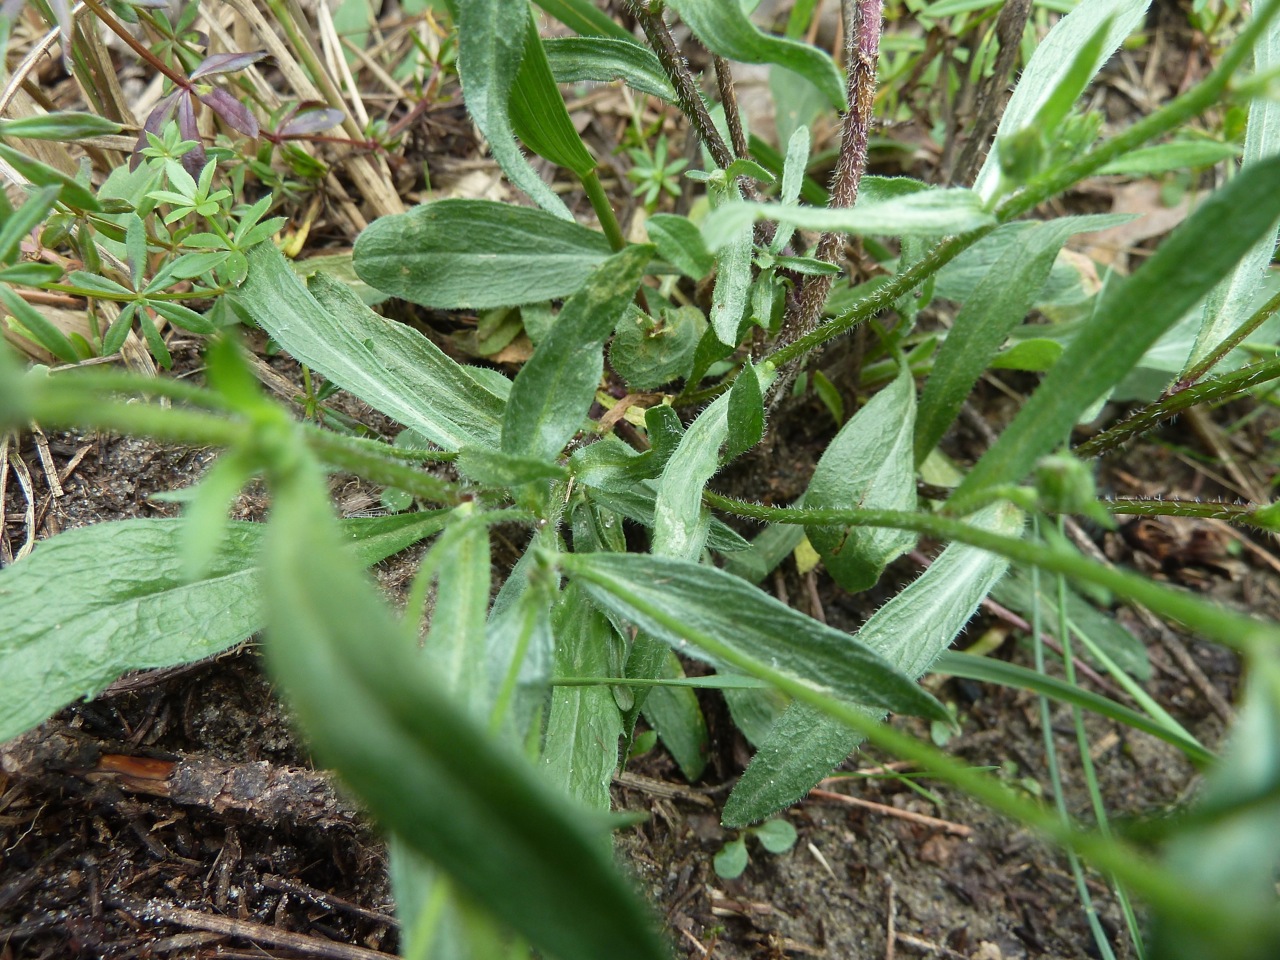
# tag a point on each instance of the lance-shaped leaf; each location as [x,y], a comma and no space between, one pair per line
[390,366]
[580,752]
[1000,302]
[476,255]
[1051,63]
[733,282]
[908,632]
[726,30]
[868,465]
[680,521]
[602,59]
[1131,317]
[1229,305]
[584,17]
[375,710]
[920,213]
[706,613]
[132,608]
[491,44]
[554,390]
[538,112]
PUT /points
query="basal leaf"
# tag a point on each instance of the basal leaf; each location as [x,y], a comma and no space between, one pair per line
[868,465]
[908,632]
[375,710]
[491,44]
[680,521]
[603,59]
[638,502]
[390,366]
[703,612]
[580,752]
[96,602]
[493,468]
[746,413]
[1131,317]
[555,388]
[455,644]
[476,255]
[725,29]
[1051,63]
[927,213]
[674,713]
[648,352]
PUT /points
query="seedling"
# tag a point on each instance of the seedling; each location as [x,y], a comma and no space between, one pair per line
[777,836]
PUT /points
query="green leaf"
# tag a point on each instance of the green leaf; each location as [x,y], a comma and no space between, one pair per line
[776,836]
[1000,302]
[580,752]
[725,30]
[793,170]
[16,224]
[732,286]
[538,114]
[455,644]
[680,520]
[93,603]
[584,17]
[869,466]
[554,390]
[1231,302]
[648,353]
[374,709]
[390,366]
[746,413]
[1049,66]
[674,713]
[1130,317]
[679,242]
[1036,355]
[731,860]
[493,468]
[40,329]
[476,254]
[1166,157]
[491,45]
[704,612]
[605,59]
[927,213]
[182,316]
[70,191]
[638,502]
[990,670]
[63,125]
[910,631]
[1228,852]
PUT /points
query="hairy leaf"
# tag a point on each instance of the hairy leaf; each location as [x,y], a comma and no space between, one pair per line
[476,255]
[390,366]
[704,612]
[603,59]
[909,632]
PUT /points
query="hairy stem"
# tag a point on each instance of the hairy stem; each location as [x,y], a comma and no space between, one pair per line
[1260,316]
[1148,417]
[677,69]
[729,100]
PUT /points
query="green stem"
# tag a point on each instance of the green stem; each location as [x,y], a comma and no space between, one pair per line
[1152,414]
[1211,620]
[1195,101]
[1160,888]
[1260,316]
[604,210]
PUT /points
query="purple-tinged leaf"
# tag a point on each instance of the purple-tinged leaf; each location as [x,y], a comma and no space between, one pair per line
[235,113]
[226,63]
[194,161]
[312,120]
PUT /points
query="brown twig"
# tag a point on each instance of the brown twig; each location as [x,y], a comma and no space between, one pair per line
[156,911]
[729,100]
[862,52]
[956,829]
